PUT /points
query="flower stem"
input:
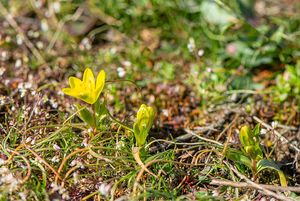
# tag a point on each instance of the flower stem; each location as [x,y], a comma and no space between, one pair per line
[118,122]
[94,116]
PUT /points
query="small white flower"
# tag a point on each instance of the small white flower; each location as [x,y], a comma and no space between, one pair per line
[56,147]
[8,38]
[29,139]
[120,144]
[53,103]
[55,159]
[18,63]
[60,93]
[33,141]
[73,163]
[38,3]
[126,63]
[4,55]
[56,6]
[215,193]
[113,50]
[85,44]
[44,25]
[54,186]
[27,85]
[2,100]
[121,72]
[2,70]
[90,130]
[165,112]
[22,196]
[200,53]
[191,45]
[76,177]
[19,39]
[40,45]
[104,189]
[263,131]
[36,110]
[2,162]
[274,124]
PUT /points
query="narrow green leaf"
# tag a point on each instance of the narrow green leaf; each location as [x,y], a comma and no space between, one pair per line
[238,157]
[85,115]
[244,136]
[269,164]
[256,130]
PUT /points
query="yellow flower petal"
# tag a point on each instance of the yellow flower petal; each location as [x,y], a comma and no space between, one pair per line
[100,81]
[69,92]
[87,90]
[74,82]
[89,79]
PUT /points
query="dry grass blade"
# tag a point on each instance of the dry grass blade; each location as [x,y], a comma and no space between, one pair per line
[43,161]
[224,182]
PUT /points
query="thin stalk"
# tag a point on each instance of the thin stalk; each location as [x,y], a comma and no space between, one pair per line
[95,121]
[118,122]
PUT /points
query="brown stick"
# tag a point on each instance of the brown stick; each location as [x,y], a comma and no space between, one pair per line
[262,189]
[43,161]
[66,159]
[282,138]
[223,182]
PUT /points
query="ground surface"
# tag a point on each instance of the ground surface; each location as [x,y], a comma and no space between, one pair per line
[206,73]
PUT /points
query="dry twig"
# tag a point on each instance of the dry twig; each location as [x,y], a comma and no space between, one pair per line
[259,187]
[224,182]
[282,138]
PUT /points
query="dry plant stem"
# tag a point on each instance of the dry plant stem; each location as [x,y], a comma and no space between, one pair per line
[227,127]
[136,155]
[259,186]
[27,164]
[9,18]
[203,138]
[67,175]
[43,161]
[223,182]
[227,142]
[90,195]
[14,152]
[282,138]
[66,159]
[118,122]
[98,156]
[95,121]
[140,174]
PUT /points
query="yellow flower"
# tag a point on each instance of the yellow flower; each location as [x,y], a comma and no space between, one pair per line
[143,123]
[88,89]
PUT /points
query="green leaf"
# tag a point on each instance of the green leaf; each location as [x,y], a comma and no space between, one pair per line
[269,164]
[256,130]
[143,123]
[85,115]
[245,136]
[238,157]
[215,14]
[250,142]
[101,111]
